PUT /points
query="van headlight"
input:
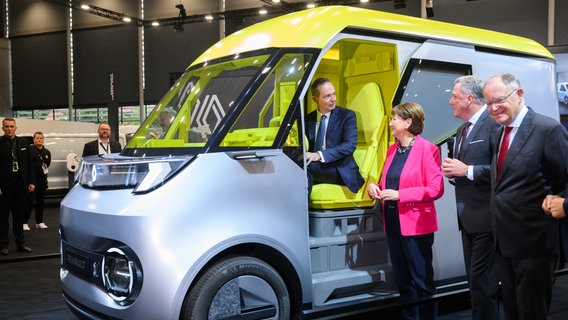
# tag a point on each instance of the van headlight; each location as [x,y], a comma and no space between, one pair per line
[121,276]
[141,174]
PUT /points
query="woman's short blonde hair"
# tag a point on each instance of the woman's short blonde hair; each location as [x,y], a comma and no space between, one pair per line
[413,111]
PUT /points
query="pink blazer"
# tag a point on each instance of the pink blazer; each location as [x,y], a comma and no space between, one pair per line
[421,182]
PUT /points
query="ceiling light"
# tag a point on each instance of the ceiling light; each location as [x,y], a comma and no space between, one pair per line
[209,17]
[126,19]
[155,23]
[276,1]
[364,1]
[262,11]
[85,7]
[311,5]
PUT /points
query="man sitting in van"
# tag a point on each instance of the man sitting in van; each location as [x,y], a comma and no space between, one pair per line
[332,135]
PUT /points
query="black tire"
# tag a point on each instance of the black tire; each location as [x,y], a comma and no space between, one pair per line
[235,286]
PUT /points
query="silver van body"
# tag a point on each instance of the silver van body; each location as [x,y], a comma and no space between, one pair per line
[221,226]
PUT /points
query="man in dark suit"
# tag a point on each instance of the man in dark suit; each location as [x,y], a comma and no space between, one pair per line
[330,156]
[522,175]
[470,171]
[16,182]
[103,144]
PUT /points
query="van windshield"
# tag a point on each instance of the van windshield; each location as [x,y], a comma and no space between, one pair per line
[237,102]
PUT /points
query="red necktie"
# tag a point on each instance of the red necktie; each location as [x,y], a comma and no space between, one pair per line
[503,149]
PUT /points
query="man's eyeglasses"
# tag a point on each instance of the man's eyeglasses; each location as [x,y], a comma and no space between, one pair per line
[500,100]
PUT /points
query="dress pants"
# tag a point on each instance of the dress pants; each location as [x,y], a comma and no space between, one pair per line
[411,258]
[12,199]
[37,197]
[320,172]
[480,258]
[526,286]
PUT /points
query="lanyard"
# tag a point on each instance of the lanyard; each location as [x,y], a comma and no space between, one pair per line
[104,148]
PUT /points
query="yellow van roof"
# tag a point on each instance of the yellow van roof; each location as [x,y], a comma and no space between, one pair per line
[314,28]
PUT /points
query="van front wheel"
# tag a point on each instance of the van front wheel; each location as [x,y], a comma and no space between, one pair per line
[242,286]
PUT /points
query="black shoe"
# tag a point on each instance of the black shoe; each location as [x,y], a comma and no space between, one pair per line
[24,249]
[4,252]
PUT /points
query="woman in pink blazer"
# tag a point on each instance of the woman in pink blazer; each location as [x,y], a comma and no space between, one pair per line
[411,181]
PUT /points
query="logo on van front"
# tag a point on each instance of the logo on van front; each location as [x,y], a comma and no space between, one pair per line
[210,111]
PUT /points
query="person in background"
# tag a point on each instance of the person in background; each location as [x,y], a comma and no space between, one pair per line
[411,181]
[16,181]
[103,145]
[332,136]
[470,171]
[556,206]
[529,163]
[41,159]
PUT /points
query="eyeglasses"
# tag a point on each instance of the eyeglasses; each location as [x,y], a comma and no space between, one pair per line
[500,100]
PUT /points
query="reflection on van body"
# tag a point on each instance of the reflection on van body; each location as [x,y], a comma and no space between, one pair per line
[210,208]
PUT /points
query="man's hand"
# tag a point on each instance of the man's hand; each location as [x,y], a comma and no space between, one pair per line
[31,188]
[454,168]
[554,206]
[312,157]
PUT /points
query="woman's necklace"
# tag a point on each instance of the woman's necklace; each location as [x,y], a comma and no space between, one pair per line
[403,149]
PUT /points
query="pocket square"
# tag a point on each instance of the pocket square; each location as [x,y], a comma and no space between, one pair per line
[476,141]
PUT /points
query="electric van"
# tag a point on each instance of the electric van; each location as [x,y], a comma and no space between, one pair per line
[205,214]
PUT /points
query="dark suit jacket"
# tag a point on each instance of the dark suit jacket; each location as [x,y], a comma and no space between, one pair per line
[473,196]
[92,148]
[38,158]
[535,166]
[340,144]
[24,162]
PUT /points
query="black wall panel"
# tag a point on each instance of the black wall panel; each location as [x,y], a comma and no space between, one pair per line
[39,71]
[97,54]
[169,52]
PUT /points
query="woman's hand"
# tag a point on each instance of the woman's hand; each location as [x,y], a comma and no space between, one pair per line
[389,194]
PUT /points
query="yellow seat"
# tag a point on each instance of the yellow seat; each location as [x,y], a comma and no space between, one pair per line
[367,102]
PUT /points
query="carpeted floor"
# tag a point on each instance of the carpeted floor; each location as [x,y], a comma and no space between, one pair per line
[29,282]
[41,241]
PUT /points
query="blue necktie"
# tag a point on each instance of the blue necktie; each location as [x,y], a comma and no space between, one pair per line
[321,133]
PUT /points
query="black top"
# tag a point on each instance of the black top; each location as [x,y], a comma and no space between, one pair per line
[393,175]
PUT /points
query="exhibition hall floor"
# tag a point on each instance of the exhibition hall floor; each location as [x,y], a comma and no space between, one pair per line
[29,283]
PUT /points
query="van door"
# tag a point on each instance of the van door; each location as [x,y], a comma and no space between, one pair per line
[428,79]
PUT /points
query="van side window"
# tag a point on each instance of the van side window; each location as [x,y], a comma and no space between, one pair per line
[430,84]
[260,121]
